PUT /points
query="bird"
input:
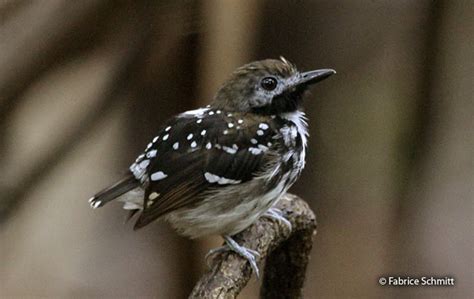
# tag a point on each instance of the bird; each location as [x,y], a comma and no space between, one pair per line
[215,170]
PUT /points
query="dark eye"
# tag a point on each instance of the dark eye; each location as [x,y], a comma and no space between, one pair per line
[269,83]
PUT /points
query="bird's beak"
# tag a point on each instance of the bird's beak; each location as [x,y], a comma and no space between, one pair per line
[312,77]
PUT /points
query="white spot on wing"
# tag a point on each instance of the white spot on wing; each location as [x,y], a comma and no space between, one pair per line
[151,154]
[255,150]
[144,163]
[190,136]
[193,144]
[176,145]
[212,178]
[166,137]
[199,121]
[168,128]
[209,145]
[254,141]
[156,139]
[159,175]
[260,133]
[231,150]
[153,195]
[225,181]
[230,125]
[197,112]
[263,126]
[203,132]
[240,121]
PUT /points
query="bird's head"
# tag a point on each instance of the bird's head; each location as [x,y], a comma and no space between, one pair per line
[267,87]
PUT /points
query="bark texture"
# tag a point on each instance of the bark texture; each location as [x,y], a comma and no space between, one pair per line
[285,254]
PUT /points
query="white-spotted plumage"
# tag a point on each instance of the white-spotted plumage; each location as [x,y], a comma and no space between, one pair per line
[259,144]
[144,163]
[255,150]
[151,154]
[157,176]
[153,195]
[96,204]
[195,113]
[216,169]
[230,150]
[212,178]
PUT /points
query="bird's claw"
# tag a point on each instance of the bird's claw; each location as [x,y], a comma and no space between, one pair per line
[277,215]
[249,254]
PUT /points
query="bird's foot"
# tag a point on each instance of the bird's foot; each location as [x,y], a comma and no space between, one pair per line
[249,254]
[277,215]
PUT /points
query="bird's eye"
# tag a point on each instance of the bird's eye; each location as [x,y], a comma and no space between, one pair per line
[269,83]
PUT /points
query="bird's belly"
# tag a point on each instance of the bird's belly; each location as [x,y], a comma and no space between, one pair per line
[226,213]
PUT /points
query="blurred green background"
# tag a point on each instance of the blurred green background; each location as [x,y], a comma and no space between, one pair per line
[84,85]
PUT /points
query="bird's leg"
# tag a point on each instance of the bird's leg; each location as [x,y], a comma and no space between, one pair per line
[276,214]
[247,253]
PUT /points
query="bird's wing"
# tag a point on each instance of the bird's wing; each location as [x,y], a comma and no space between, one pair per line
[196,154]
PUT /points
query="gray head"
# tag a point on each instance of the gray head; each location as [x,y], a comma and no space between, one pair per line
[267,87]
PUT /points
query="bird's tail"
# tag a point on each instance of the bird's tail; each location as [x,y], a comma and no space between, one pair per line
[124,185]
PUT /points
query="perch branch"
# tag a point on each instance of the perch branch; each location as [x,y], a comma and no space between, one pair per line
[285,253]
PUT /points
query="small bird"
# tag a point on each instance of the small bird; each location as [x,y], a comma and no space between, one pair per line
[216,170]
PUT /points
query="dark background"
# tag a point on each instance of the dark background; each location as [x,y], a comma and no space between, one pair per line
[84,85]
